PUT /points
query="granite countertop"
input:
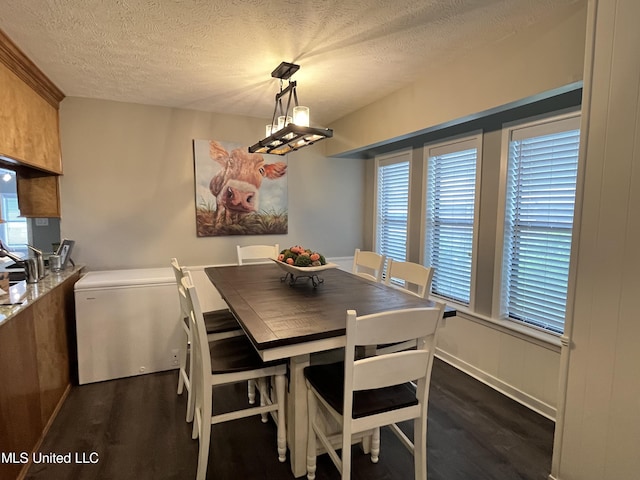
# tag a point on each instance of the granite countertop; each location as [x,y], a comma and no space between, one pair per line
[33,292]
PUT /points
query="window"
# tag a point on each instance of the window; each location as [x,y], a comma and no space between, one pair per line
[539,197]
[13,230]
[450,215]
[392,205]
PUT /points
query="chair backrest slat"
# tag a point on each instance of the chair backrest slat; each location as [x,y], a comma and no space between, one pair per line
[179,273]
[391,369]
[257,253]
[396,326]
[412,275]
[368,265]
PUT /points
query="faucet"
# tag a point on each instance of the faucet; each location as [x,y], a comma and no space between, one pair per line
[39,261]
[4,252]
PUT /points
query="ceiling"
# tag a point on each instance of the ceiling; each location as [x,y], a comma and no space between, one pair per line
[217,55]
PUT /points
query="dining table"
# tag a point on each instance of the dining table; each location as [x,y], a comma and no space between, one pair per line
[293,317]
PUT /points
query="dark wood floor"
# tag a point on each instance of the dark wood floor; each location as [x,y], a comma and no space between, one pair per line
[136,427]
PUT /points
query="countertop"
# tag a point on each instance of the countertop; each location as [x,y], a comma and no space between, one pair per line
[35,291]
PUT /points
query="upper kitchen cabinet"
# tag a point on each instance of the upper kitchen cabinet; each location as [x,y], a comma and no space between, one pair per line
[29,102]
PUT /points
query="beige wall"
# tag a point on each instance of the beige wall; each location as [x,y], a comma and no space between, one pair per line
[127,193]
[517,68]
[516,361]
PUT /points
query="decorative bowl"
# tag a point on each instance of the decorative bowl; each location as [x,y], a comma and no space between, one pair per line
[304,271]
[293,273]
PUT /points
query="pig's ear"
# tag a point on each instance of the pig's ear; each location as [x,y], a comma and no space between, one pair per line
[275,170]
[218,153]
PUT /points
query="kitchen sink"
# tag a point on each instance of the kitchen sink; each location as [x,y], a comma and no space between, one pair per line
[16,276]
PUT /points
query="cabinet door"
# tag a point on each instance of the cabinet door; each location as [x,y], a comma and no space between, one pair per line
[38,195]
[20,419]
[53,316]
[29,133]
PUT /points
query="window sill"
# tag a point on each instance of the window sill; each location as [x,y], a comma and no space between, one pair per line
[547,340]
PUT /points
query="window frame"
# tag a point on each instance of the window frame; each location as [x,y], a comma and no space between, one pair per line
[449,145]
[5,198]
[399,156]
[499,301]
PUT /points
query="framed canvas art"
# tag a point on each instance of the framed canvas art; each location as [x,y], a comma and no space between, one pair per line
[237,192]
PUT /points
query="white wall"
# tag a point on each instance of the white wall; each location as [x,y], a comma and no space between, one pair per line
[127,193]
[598,433]
[521,367]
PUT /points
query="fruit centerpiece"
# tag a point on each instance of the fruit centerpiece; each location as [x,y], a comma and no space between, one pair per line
[300,262]
[301,257]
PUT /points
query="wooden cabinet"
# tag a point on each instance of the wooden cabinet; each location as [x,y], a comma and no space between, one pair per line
[29,131]
[38,194]
[36,364]
[28,111]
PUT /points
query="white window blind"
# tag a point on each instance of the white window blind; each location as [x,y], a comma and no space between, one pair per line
[392,207]
[450,207]
[14,227]
[540,197]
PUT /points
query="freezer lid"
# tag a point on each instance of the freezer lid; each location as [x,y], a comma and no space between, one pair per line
[124,278]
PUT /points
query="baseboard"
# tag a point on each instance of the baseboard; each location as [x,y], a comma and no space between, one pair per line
[551,477]
[510,391]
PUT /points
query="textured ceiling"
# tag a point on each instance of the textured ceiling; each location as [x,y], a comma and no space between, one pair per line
[217,55]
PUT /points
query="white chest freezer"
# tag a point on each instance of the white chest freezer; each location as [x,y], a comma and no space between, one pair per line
[127,323]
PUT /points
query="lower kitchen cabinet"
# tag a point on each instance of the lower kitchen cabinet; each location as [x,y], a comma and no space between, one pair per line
[37,356]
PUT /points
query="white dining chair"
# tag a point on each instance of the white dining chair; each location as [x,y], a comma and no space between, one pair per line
[412,278]
[365,394]
[257,253]
[369,265]
[219,324]
[227,361]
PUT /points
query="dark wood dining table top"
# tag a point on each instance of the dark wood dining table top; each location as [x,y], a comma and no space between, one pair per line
[275,313]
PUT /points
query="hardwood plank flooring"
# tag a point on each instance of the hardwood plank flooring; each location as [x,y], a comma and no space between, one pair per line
[137,430]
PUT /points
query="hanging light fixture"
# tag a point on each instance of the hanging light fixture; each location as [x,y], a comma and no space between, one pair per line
[288,132]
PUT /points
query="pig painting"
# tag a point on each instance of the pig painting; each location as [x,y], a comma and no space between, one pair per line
[237,202]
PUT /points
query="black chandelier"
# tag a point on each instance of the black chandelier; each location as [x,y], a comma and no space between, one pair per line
[287,133]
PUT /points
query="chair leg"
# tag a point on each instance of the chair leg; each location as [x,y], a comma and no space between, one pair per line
[312,407]
[346,451]
[197,420]
[195,430]
[191,394]
[262,388]
[282,429]
[182,361]
[375,445]
[196,412]
[203,452]
[251,386]
[420,448]
[204,440]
